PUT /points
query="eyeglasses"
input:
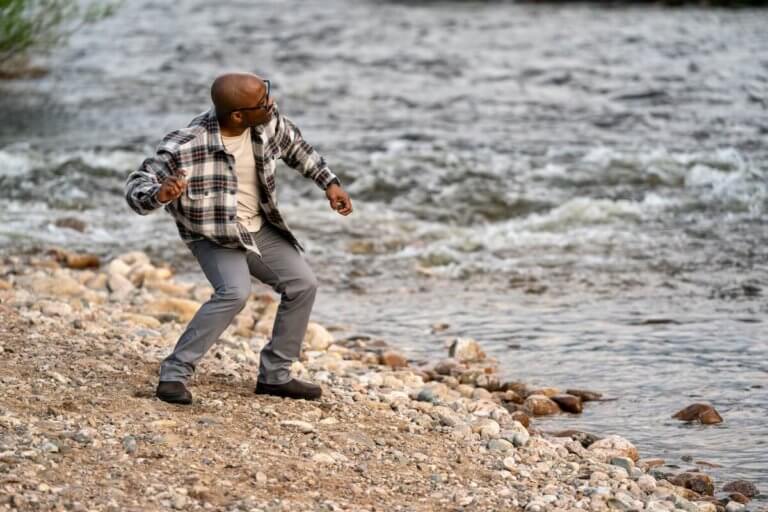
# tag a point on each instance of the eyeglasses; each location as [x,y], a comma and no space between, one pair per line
[265,105]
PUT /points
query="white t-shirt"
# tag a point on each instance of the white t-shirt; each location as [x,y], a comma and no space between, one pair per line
[248,212]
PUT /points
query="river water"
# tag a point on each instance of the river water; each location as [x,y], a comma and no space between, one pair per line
[583,189]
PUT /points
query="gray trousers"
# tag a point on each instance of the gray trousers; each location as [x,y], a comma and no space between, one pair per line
[229,271]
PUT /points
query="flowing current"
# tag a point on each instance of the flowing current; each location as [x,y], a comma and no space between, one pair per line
[581,188]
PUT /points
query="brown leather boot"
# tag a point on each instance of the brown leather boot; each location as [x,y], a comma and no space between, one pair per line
[173,392]
[294,388]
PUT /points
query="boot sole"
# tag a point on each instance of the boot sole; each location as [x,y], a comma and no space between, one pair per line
[183,400]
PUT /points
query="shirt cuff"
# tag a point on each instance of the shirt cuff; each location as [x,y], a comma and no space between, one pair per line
[154,202]
[335,180]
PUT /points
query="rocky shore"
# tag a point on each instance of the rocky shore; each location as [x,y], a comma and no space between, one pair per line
[80,428]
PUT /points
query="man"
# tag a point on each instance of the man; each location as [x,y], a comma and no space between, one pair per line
[217,178]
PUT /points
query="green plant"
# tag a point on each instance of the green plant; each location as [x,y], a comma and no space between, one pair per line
[28,26]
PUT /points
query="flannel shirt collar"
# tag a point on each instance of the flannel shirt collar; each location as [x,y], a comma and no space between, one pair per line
[213,130]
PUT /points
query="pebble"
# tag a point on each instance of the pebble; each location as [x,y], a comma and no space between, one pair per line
[646,483]
[733,506]
[623,462]
[129,444]
[302,426]
[50,447]
[427,395]
[84,436]
[500,445]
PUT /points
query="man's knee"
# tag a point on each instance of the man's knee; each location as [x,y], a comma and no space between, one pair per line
[303,286]
[236,296]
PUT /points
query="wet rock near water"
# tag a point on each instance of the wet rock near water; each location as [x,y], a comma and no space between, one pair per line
[703,413]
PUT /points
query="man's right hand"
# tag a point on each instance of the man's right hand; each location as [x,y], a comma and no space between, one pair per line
[172,187]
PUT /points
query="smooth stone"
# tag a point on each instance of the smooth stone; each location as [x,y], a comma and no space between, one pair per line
[302,426]
[569,403]
[70,223]
[446,416]
[509,463]
[324,458]
[744,487]
[521,417]
[465,390]
[427,395]
[81,261]
[586,396]
[58,286]
[52,308]
[466,350]
[481,394]
[317,337]
[697,482]
[623,462]
[129,444]
[738,498]
[119,286]
[50,447]
[83,436]
[548,392]
[183,309]
[540,405]
[733,506]
[447,366]
[613,446]
[517,434]
[646,483]
[704,413]
[500,445]
[393,359]
[487,428]
[488,382]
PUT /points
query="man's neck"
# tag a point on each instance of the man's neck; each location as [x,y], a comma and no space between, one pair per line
[231,132]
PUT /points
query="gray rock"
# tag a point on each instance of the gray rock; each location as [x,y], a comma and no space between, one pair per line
[500,445]
[129,444]
[427,395]
[623,462]
[84,436]
[50,447]
[646,483]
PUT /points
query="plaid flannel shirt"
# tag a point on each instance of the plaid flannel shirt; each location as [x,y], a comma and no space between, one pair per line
[208,206]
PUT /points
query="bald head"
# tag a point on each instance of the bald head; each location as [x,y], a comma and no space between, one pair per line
[236,90]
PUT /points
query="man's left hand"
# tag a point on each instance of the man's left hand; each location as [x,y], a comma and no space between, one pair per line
[339,199]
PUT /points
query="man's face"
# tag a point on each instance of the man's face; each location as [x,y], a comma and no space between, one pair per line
[259,108]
